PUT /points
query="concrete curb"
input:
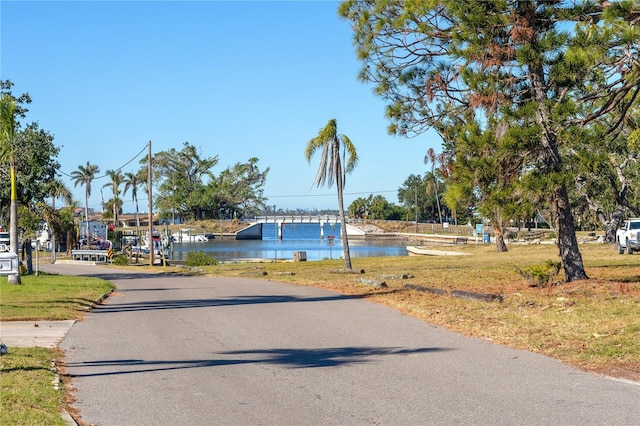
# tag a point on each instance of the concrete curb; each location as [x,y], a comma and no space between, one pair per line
[68,419]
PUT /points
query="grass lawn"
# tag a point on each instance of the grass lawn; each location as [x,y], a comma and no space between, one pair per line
[50,297]
[29,390]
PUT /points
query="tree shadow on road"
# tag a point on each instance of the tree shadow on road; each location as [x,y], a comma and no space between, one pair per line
[204,303]
[286,357]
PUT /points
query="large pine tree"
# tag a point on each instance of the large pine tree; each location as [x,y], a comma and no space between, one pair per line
[551,66]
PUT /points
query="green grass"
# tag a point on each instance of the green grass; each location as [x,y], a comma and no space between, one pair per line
[28,395]
[50,297]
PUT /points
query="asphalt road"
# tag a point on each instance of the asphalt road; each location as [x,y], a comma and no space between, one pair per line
[169,350]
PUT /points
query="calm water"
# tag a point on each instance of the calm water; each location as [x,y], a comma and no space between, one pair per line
[295,237]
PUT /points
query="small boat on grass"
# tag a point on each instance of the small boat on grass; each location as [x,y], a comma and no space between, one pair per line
[429,251]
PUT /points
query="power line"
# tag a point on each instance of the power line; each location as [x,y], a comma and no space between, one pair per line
[299,196]
[118,169]
[327,195]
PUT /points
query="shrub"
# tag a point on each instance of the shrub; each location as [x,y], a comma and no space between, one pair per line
[199,258]
[120,260]
[540,275]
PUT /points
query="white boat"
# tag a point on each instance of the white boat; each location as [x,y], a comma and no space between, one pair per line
[156,243]
[427,251]
[187,236]
[130,239]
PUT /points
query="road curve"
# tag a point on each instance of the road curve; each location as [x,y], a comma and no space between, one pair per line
[168,350]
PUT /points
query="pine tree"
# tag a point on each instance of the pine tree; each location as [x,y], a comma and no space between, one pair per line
[546,66]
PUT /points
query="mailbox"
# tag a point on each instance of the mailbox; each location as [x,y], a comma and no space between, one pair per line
[9,264]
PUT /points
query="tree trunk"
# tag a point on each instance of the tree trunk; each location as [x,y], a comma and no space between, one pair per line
[72,239]
[610,225]
[438,200]
[138,216]
[13,223]
[498,229]
[29,255]
[566,233]
[613,225]
[343,221]
[86,216]
[53,247]
[53,232]
[560,205]
[501,246]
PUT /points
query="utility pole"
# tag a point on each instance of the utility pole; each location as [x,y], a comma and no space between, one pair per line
[416,205]
[150,198]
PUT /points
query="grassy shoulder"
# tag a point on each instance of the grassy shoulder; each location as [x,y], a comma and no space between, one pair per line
[30,391]
[31,394]
[50,297]
[592,324]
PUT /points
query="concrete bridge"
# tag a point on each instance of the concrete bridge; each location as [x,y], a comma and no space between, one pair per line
[279,220]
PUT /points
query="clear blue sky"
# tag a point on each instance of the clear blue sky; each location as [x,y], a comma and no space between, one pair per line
[237,79]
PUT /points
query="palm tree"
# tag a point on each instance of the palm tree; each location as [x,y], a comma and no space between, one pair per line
[83,176]
[432,185]
[431,179]
[131,181]
[8,127]
[57,189]
[116,180]
[330,170]
[68,224]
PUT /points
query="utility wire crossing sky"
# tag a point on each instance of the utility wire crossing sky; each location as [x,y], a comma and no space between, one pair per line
[236,79]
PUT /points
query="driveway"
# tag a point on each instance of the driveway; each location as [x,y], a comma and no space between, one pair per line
[167,350]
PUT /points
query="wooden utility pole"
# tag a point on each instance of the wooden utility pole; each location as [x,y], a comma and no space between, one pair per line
[150,198]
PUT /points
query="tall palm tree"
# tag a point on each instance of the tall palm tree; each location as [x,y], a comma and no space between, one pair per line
[431,185]
[84,176]
[132,181]
[57,189]
[117,178]
[8,128]
[431,179]
[331,169]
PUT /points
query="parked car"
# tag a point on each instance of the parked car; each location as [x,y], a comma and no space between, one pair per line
[628,237]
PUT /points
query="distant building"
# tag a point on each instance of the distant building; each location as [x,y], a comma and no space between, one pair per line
[79,211]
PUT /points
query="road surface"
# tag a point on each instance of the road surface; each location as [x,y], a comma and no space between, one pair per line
[169,350]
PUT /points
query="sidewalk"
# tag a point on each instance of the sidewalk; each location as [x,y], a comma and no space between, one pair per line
[27,334]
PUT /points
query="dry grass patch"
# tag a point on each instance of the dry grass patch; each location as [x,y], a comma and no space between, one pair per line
[210,226]
[592,324]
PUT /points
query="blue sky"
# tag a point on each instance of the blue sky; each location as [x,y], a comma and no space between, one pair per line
[236,79]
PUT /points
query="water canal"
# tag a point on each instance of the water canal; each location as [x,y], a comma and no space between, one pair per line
[295,238]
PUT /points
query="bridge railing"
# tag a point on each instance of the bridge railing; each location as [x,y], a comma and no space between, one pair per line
[296,219]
